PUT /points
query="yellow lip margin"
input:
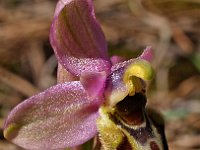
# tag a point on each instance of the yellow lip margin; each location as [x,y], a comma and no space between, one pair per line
[140,69]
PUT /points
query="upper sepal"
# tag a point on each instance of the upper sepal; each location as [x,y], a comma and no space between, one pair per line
[77,38]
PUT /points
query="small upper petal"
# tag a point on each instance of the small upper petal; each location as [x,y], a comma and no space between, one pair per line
[116,89]
[116,59]
[62,116]
[77,38]
[147,54]
[93,83]
[128,77]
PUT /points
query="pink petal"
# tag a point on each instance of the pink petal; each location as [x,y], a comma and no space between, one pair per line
[116,59]
[147,54]
[116,89]
[62,116]
[77,38]
[93,83]
[60,5]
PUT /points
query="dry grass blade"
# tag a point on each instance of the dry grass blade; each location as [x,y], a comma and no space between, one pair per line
[187,141]
[157,21]
[8,146]
[11,99]
[46,77]
[17,82]
[185,88]
[162,24]
[36,59]
[182,39]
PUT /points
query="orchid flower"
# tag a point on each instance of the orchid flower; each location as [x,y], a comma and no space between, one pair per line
[66,114]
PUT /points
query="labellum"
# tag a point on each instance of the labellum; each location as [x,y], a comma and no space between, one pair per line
[130,126]
[126,124]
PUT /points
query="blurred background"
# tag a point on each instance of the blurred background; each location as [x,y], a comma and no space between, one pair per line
[171,27]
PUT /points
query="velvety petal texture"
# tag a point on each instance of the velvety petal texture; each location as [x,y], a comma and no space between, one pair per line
[93,83]
[147,54]
[77,38]
[116,89]
[116,59]
[62,116]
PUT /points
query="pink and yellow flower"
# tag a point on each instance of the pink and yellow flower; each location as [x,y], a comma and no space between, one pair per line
[65,114]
